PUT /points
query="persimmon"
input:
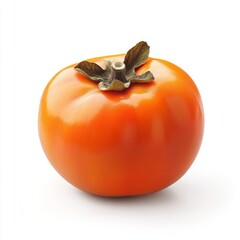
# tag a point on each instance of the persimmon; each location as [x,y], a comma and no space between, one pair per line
[121,125]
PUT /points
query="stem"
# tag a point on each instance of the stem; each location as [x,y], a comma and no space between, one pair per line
[119,71]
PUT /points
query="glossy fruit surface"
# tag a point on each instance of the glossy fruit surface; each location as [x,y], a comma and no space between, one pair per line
[131,142]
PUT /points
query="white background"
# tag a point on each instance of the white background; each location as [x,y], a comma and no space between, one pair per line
[38,38]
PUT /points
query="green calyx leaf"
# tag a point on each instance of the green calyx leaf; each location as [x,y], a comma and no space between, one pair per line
[119,76]
[145,77]
[135,57]
[90,70]
[115,85]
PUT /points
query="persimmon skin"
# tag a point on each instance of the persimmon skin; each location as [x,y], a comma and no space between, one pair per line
[127,143]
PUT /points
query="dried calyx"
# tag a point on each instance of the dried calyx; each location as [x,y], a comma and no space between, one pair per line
[118,76]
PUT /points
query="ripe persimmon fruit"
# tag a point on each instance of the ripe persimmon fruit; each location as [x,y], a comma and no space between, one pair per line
[121,125]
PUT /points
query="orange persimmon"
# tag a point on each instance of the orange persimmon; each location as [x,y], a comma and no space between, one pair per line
[121,125]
